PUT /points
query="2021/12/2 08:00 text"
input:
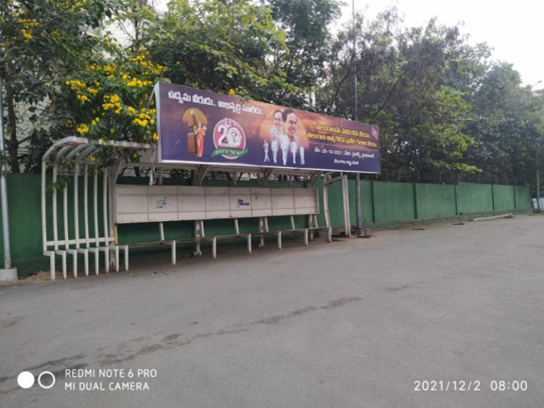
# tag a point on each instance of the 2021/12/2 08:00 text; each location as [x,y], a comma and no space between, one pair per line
[461,385]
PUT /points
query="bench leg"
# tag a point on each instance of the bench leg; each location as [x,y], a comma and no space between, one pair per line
[214,247]
[249,243]
[198,251]
[329,235]
[86,261]
[74,262]
[306,237]
[126,258]
[52,266]
[279,239]
[64,269]
[107,260]
[174,253]
[116,258]
[96,261]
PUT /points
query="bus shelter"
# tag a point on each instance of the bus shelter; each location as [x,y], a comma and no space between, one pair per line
[84,205]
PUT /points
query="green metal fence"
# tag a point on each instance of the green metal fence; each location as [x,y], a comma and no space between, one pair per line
[382,203]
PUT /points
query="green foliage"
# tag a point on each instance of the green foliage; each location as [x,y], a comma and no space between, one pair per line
[441,104]
[218,45]
[41,42]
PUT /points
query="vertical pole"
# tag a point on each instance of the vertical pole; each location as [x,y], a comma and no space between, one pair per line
[44,204]
[55,226]
[95,208]
[492,197]
[326,205]
[538,205]
[345,197]
[76,203]
[86,203]
[65,214]
[356,118]
[105,219]
[4,188]
[416,215]
[95,211]
[455,193]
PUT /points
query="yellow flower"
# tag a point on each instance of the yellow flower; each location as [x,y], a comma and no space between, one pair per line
[155,137]
[232,92]
[27,34]
[93,158]
[82,129]
[112,130]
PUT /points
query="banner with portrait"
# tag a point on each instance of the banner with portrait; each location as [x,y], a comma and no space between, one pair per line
[203,127]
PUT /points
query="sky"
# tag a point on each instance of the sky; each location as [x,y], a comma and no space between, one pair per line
[515,30]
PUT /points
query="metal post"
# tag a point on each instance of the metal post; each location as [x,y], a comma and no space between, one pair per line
[538,206]
[356,117]
[8,273]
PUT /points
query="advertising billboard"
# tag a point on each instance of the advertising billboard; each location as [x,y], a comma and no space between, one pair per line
[203,127]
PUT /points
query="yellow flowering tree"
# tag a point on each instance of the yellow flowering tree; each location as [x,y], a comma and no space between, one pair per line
[112,98]
[42,42]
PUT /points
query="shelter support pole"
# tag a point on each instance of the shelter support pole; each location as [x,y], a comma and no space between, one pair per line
[96,232]
[345,198]
[199,233]
[262,230]
[72,252]
[358,202]
[84,251]
[106,248]
[8,273]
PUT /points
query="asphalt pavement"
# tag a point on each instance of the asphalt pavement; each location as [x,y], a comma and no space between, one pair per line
[353,323]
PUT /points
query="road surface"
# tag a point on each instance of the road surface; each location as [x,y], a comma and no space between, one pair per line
[354,323]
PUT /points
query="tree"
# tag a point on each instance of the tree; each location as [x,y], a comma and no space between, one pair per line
[507,125]
[224,46]
[404,88]
[42,41]
[307,37]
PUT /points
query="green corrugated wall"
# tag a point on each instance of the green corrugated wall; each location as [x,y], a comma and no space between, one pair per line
[381,202]
[435,201]
[394,202]
[474,198]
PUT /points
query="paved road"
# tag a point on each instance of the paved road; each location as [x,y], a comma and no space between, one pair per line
[349,324]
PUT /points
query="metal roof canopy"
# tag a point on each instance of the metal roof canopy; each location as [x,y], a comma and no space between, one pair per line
[80,150]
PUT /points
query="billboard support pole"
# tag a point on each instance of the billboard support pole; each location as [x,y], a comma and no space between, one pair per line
[356,118]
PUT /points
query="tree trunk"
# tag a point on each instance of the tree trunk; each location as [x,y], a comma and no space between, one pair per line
[12,130]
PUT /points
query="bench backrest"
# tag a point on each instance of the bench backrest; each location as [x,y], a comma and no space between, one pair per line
[134,204]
